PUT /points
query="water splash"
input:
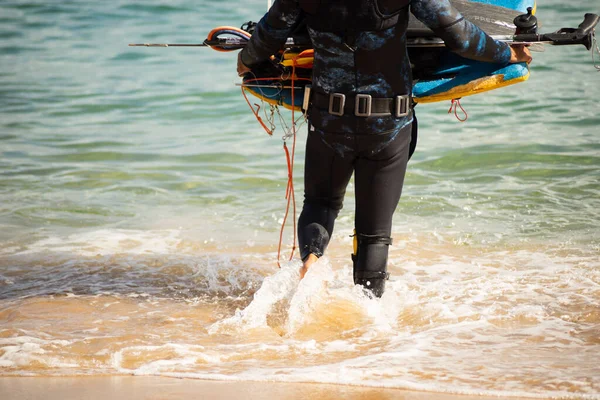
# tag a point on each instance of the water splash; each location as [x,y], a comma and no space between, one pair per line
[275,288]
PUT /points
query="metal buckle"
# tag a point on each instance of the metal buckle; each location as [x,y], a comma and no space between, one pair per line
[402,105]
[341,102]
[361,99]
[306,99]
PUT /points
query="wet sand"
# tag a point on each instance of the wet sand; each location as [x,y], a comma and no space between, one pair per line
[148,387]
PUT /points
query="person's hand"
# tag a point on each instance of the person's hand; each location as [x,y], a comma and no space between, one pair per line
[241,68]
[519,53]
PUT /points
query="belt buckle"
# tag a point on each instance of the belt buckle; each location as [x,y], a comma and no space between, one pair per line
[338,99]
[361,99]
[402,106]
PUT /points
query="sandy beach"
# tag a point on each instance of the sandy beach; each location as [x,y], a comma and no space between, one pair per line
[128,387]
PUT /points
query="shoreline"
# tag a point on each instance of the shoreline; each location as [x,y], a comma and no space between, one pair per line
[157,387]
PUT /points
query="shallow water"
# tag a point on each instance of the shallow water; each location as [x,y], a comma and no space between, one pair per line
[140,207]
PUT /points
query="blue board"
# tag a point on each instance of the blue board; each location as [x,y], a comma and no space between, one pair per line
[454,76]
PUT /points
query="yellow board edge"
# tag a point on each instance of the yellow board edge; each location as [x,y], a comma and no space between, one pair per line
[481,85]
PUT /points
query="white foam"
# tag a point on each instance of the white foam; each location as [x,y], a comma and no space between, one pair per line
[274,289]
[110,241]
[310,291]
[21,351]
[186,355]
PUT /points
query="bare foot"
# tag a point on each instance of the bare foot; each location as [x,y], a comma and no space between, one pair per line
[311,259]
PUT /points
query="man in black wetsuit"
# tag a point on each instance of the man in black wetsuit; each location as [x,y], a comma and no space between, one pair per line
[360,115]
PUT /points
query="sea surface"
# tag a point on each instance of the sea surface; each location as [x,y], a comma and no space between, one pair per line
[141,205]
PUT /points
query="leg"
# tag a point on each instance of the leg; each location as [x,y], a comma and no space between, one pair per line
[326,175]
[379,179]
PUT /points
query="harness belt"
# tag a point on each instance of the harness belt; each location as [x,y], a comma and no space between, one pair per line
[362,105]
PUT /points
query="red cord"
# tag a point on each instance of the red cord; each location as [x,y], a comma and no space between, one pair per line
[289,193]
[291,171]
[454,107]
[255,112]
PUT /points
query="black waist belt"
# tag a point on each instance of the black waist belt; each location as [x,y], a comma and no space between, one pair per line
[362,105]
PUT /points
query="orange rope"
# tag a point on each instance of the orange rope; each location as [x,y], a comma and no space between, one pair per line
[291,169]
[289,193]
[255,112]
[290,196]
[454,107]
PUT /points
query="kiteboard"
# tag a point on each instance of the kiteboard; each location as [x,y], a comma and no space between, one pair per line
[438,73]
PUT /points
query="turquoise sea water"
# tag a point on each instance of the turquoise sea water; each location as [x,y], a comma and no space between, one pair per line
[138,177]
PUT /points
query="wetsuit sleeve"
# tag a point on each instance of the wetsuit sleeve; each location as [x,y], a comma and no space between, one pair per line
[459,35]
[272,32]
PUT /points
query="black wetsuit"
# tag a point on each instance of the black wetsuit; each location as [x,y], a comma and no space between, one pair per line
[361,58]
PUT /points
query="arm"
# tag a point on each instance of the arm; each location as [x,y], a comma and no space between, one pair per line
[270,34]
[462,36]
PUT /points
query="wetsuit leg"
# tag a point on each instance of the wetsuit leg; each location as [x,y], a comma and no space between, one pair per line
[379,163]
[327,171]
[378,183]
